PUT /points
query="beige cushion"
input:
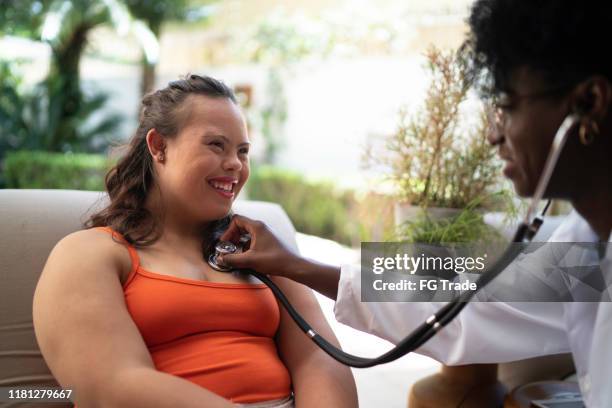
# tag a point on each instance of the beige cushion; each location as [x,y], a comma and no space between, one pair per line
[32,222]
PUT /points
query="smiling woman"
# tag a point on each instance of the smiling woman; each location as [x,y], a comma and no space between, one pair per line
[190,134]
[112,322]
[200,170]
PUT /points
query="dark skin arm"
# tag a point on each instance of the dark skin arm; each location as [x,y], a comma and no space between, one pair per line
[266,254]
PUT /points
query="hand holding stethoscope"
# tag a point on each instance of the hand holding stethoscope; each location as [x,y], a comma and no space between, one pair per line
[264,251]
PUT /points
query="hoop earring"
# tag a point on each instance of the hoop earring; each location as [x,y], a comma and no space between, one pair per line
[588,131]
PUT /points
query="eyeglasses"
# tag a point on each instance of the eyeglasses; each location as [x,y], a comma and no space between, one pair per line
[497,108]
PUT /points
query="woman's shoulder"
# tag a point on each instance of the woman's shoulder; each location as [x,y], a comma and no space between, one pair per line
[97,246]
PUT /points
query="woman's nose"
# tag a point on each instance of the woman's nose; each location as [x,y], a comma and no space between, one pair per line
[232,162]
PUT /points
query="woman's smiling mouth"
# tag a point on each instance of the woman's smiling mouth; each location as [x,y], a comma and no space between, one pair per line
[223,185]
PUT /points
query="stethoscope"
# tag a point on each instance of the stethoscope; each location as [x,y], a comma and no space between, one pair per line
[524,233]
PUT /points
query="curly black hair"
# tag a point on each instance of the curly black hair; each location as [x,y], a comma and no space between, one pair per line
[564,40]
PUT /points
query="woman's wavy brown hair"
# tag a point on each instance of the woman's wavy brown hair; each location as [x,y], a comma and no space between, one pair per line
[129,182]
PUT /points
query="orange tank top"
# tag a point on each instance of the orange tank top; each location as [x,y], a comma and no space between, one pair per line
[217,335]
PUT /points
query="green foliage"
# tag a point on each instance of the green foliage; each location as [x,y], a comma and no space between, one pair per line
[314,208]
[28,169]
[156,12]
[22,17]
[55,114]
[69,22]
[32,119]
[433,160]
[466,227]
[71,128]
[12,105]
[66,29]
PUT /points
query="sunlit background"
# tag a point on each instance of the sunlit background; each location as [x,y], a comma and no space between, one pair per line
[326,85]
[318,81]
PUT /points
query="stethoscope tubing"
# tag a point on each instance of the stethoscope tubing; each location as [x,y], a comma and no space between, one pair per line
[410,343]
[525,231]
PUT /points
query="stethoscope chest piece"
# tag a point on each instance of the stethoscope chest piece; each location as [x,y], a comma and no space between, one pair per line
[221,248]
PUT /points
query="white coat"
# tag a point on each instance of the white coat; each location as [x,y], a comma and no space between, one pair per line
[490,332]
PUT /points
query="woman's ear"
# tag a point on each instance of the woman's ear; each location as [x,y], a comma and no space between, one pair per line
[157,145]
[593,98]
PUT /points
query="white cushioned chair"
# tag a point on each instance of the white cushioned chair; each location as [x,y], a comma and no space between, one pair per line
[31,223]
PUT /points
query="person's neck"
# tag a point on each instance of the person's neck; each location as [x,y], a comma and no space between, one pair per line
[177,237]
[176,232]
[595,207]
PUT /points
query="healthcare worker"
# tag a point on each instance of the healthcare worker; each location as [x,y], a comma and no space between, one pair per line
[539,61]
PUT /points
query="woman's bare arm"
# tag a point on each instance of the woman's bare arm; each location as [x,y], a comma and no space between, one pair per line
[90,341]
[318,380]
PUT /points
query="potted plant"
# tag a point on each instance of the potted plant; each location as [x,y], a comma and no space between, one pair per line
[445,173]
[438,160]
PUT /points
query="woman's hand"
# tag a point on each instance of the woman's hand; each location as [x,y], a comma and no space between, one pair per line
[265,254]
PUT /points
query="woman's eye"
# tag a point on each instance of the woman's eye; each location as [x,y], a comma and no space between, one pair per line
[217,144]
[243,151]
